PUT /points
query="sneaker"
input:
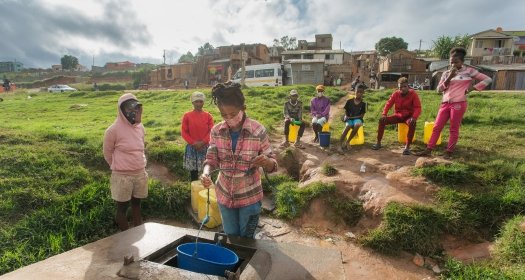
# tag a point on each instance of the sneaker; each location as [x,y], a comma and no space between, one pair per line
[376,146]
[406,152]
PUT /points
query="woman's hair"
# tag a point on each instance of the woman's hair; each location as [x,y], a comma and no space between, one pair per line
[227,94]
[402,80]
[459,52]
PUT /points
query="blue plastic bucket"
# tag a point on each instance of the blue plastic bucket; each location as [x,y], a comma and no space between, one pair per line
[211,259]
[324,139]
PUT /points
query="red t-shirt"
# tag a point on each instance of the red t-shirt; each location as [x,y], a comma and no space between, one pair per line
[196,126]
[407,106]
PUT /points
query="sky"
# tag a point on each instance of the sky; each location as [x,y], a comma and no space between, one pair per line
[39,32]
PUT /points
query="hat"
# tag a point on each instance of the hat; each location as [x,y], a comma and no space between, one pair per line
[197,96]
[319,88]
[293,92]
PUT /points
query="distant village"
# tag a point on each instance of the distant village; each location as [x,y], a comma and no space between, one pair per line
[496,53]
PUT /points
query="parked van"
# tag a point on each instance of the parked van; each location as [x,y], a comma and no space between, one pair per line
[261,75]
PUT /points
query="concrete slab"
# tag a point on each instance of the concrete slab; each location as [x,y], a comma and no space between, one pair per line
[104,258]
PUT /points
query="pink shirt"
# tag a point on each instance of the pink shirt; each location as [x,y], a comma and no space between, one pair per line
[455,91]
[124,143]
[237,189]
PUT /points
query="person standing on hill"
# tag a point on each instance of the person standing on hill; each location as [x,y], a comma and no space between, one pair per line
[355,110]
[320,110]
[455,84]
[239,147]
[196,127]
[124,152]
[293,113]
[407,109]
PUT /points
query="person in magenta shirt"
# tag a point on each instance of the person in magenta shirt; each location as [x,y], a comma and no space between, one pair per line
[407,109]
[320,111]
[455,84]
[195,130]
[123,150]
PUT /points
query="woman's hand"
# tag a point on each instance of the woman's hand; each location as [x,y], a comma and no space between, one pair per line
[262,161]
[206,180]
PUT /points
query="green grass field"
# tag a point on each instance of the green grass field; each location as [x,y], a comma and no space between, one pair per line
[54,192]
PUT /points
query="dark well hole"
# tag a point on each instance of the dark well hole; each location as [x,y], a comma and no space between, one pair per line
[168,255]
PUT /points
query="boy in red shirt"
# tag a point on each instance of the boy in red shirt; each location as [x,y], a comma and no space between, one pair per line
[407,109]
[196,127]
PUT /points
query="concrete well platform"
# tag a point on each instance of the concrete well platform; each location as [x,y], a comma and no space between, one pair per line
[104,258]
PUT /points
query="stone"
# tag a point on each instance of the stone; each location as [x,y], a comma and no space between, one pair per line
[350,235]
[436,269]
[418,260]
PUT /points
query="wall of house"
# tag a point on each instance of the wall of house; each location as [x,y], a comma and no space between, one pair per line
[306,73]
[509,80]
[487,47]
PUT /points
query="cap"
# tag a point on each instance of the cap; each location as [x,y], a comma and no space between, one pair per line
[294,92]
[319,88]
[197,96]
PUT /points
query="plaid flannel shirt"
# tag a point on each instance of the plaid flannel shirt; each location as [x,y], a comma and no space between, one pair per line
[237,189]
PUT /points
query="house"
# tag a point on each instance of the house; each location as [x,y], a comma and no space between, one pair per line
[518,37]
[172,75]
[119,66]
[322,42]
[304,71]
[505,76]
[11,66]
[491,43]
[56,67]
[363,64]
[329,56]
[275,54]
[402,63]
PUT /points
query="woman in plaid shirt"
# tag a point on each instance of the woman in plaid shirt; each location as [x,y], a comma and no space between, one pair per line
[239,146]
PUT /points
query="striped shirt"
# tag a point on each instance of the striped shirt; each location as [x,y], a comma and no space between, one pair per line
[456,89]
[237,189]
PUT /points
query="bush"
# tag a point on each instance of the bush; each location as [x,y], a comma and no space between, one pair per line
[291,200]
[459,271]
[328,170]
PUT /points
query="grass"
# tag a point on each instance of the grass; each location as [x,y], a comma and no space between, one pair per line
[52,169]
[328,170]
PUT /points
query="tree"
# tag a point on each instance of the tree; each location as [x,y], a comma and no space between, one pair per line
[442,46]
[69,62]
[288,43]
[389,45]
[185,58]
[204,48]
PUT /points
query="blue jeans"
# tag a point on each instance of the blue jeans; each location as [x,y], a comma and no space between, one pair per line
[240,221]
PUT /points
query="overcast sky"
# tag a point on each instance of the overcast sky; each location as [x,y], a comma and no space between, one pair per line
[39,32]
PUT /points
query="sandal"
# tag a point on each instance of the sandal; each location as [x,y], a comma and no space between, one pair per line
[298,145]
[376,146]
[406,152]
[285,144]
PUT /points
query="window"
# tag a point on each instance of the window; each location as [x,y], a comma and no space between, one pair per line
[279,73]
[264,73]
[499,44]
[308,56]
[249,74]
[329,56]
[479,44]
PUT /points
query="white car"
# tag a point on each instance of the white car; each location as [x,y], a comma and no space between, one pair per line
[60,88]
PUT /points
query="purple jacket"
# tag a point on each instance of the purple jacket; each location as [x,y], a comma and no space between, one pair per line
[320,106]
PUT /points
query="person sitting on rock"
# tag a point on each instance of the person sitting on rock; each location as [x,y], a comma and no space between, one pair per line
[355,110]
[407,109]
[293,113]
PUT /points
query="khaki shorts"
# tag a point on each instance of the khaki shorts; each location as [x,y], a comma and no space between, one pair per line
[124,187]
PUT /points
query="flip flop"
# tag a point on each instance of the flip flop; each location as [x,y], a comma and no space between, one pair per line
[406,152]
[299,145]
[376,146]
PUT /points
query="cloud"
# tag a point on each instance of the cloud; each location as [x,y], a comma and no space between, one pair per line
[39,34]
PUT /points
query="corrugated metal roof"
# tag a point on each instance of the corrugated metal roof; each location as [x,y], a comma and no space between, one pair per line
[500,67]
[313,52]
[317,60]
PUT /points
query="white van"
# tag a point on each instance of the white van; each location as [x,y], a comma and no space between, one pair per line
[261,75]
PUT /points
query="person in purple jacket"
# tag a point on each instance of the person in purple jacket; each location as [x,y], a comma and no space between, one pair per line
[320,110]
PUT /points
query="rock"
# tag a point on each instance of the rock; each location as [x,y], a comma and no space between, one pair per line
[522,226]
[430,262]
[426,162]
[350,235]
[436,269]
[418,260]
[329,240]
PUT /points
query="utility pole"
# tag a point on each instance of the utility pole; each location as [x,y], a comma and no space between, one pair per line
[419,52]
[164,57]
[93,64]
[243,62]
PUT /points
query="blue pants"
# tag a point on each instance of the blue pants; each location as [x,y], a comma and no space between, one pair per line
[240,221]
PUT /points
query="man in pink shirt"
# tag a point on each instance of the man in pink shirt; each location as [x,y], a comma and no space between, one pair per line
[455,84]
[195,130]
[124,152]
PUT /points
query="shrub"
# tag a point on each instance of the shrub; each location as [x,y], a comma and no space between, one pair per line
[291,200]
[328,170]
